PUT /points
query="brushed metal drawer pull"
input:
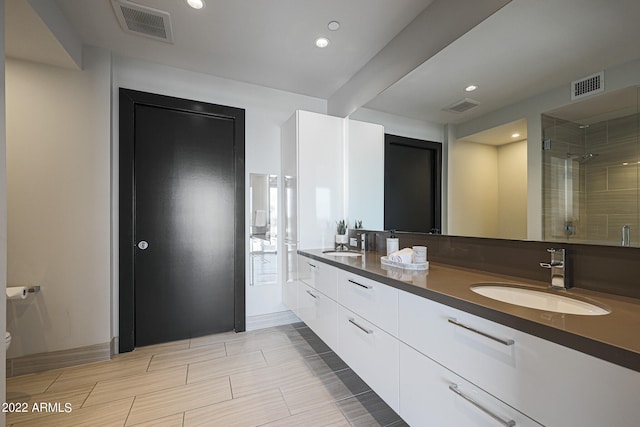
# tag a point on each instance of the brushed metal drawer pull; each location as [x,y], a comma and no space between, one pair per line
[312,266]
[484,334]
[507,423]
[362,328]
[311,293]
[361,285]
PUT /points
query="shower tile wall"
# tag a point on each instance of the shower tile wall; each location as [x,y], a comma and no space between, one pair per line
[612,179]
[607,192]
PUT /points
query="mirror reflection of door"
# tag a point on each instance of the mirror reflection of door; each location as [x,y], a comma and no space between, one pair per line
[263,252]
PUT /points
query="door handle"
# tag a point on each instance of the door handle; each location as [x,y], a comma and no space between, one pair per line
[143,244]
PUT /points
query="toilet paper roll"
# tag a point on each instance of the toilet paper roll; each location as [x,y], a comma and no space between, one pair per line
[16,292]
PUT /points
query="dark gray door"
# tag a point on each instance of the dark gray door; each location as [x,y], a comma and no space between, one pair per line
[184,224]
[412,181]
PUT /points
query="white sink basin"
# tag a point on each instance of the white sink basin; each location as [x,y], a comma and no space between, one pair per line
[533,298]
[342,253]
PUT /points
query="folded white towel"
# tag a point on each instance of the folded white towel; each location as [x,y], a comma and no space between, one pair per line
[404,256]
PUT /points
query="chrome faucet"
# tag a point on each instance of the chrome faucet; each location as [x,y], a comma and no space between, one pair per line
[626,235]
[558,266]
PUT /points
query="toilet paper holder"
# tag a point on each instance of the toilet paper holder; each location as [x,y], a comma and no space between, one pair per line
[33,289]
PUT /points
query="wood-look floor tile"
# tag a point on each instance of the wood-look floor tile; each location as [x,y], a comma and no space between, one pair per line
[249,411]
[327,415]
[26,385]
[225,366]
[215,339]
[258,342]
[172,401]
[260,379]
[311,392]
[325,363]
[170,421]
[107,414]
[368,409]
[106,391]
[102,371]
[287,352]
[75,397]
[186,356]
[151,350]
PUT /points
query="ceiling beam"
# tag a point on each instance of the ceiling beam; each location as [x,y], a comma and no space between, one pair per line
[440,24]
[60,27]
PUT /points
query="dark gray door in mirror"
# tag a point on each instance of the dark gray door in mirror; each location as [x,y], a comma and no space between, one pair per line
[412,184]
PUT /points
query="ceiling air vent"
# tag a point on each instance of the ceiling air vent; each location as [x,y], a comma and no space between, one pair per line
[587,86]
[462,105]
[143,21]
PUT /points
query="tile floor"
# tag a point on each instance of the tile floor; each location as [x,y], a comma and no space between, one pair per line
[279,376]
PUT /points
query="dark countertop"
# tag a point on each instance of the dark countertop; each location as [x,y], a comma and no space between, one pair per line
[613,337]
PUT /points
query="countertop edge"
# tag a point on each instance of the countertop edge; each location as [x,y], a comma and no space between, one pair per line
[601,350]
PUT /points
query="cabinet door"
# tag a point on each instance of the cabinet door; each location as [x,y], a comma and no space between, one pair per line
[553,384]
[320,314]
[431,395]
[371,353]
[320,178]
[366,173]
[376,302]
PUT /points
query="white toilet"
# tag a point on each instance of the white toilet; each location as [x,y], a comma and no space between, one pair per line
[8,340]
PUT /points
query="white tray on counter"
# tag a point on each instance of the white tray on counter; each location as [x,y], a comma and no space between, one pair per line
[411,266]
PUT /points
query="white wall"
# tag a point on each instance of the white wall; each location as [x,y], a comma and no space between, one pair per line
[402,126]
[473,189]
[58,194]
[266,110]
[512,190]
[3,209]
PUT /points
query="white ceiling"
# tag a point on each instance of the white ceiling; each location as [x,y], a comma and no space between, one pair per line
[500,135]
[527,47]
[266,42]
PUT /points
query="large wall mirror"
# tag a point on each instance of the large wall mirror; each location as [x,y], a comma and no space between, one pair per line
[519,66]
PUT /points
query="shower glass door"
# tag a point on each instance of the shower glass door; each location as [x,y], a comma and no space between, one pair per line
[590,179]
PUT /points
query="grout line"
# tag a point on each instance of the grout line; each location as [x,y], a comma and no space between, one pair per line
[149,364]
[129,413]
[54,381]
[184,415]
[89,394]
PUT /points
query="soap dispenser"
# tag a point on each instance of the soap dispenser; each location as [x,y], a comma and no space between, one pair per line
[392,243]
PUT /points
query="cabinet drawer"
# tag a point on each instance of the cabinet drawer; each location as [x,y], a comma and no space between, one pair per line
[553,384]
[321,276]
[431,395]
[376,302]
[371,353]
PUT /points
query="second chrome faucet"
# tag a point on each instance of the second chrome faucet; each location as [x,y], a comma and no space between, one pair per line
[558,267]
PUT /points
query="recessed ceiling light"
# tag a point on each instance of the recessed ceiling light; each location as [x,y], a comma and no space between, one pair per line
[515,135]
[196,4]
[470,88]
[333,25]
[322,42]
[625,164]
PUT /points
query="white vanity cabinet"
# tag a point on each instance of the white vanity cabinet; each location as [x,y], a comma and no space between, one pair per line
[371,353]
[431,395]
[552,384]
